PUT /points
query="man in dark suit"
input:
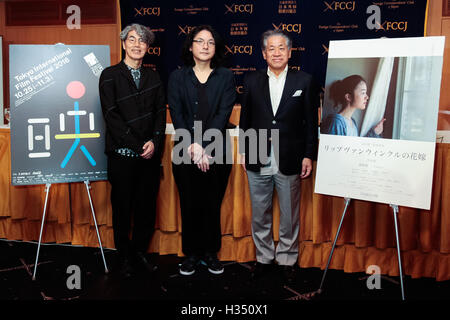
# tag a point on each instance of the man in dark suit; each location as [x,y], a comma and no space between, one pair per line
[134,109]
[283,102]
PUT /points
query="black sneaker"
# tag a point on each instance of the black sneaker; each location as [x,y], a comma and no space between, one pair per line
[188,266]
[213,264]
[144,263]
[125,269]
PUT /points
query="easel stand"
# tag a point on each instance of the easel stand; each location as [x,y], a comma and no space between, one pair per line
[395,212]
[47,189]
[347,202]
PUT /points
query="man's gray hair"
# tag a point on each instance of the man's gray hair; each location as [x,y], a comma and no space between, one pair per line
[144,32]
[266,35]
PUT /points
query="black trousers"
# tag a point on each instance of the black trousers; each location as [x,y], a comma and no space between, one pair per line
[201,195]
[134,188]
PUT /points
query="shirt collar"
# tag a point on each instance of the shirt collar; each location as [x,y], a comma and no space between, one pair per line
[282,74]
[190,71]
[131,68]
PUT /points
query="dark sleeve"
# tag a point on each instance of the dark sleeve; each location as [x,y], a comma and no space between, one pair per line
[159,131]
[245,116]
[311,118]
[225,108]
[223,113]
[116,126]
[175,104]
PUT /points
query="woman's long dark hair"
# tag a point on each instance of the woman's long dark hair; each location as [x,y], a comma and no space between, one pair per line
[340,88]
[219,56]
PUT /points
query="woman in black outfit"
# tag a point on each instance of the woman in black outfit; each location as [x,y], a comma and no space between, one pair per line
[202,92]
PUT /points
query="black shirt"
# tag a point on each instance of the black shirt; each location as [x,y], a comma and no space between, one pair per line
[203,105]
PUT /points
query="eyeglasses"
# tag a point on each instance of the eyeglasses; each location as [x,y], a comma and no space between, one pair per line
[133,40]
[201,42]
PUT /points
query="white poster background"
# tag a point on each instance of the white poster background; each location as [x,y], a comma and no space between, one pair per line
[380,170]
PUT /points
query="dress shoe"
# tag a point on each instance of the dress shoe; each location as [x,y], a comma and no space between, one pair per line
[144,263]
[262,269]
[125,269]
[289,273]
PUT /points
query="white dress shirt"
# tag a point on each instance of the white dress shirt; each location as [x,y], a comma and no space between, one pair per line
[276,86]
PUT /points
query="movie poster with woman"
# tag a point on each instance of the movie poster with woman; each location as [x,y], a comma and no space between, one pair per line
[379,120]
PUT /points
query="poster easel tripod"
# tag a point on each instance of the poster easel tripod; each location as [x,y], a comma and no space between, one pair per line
[395,212]
[47,189]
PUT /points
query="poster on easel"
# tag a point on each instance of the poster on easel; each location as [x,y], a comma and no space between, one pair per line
[379,120]
[57,128]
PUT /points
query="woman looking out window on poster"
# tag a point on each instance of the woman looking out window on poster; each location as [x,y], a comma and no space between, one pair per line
[351,94]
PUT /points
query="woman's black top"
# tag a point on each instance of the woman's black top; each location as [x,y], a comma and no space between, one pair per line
[203,106]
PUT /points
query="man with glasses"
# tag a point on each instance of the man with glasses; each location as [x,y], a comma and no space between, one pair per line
[134,109]
[201,97]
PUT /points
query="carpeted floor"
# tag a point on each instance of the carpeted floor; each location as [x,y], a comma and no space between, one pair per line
[167,286]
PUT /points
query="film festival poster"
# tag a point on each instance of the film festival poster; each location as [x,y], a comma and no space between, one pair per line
[395,82]
[57,129]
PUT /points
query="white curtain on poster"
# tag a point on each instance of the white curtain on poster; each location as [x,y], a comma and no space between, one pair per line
[378,95]
[418,76]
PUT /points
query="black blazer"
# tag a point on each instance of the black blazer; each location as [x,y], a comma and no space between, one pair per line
[132,115]
[296,118]
[183,100]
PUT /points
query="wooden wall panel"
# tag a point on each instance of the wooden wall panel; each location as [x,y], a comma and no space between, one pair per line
[88,34]
[446,8]
[54,12]
[434,18]
[5,180]
[2,18]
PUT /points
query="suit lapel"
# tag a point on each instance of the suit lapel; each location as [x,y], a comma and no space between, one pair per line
[288,91]
[266,91]
[144,77]
[127,73]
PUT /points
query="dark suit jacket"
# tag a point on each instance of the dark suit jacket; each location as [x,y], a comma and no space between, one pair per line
[132,115]
[296,118]
[183,100]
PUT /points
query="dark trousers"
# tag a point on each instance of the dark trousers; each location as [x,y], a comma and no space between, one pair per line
[201,197]
[134,188]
